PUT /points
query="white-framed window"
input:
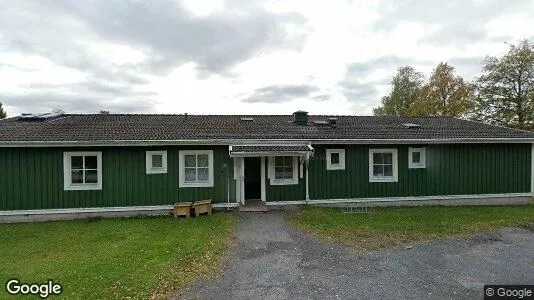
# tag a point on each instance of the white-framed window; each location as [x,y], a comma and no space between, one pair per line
[416,158]
[82,171]
[156,162]
[283,170]
[335,159]
[383,165]
[196,168]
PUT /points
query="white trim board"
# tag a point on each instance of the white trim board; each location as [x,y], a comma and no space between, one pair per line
[37,212]
[53,211]
[532,171]
[227,142]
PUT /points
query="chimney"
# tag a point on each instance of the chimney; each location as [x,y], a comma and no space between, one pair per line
[332,122]
[300,118]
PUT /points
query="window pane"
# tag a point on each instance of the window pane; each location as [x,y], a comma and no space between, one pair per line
[288,161]
[288,172]
[203,174]
[388,170]
[190,174]
[202,160]
[334,158]
[157,161]
[76,162]
[416,157]
[90,162]
[91,176]
[76,176]
[388,158]
[278,173]
[190,161]
[279,161]
[378,158]
[378,170]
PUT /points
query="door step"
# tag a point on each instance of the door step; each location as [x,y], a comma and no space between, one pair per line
[255,206]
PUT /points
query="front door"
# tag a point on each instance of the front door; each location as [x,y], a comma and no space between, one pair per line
[253,178]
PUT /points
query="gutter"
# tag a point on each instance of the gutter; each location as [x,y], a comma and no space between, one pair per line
[226,142]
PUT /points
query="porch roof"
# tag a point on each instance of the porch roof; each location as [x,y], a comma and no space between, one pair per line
[269,150]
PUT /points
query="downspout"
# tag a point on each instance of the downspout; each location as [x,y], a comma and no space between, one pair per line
[307,181]
[228,179]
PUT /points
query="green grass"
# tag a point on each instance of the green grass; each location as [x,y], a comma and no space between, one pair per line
[115,258]
[393,226]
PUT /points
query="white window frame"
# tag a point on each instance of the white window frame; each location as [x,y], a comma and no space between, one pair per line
[67,175]
[152,170]
[395,162]
[289,181]
[183,183]
[341,165]
[422,155]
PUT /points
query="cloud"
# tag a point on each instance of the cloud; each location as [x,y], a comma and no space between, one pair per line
[281,93]
[171,35]
[75,103]
[121,46]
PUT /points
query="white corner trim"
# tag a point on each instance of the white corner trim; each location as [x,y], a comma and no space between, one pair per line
[181,174]
[341,165]
[292,181]
[148,160]
[395,161]
[422,163]
[67,180]
[532,170]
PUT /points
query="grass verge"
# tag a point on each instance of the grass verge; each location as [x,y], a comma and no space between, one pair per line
[392,226]
[135,258]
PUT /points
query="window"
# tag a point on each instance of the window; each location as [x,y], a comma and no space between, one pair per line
[283,167]
[156,162]
[82,170]
[416,158]
[335,159]
[283,170]
[196,168]
[383,165]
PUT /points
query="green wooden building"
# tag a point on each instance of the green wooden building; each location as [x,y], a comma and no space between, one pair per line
[58,164]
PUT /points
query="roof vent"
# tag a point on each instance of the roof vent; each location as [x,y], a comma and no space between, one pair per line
[300,118]
[411,125]
[42,116]
[332,122]
[246,119]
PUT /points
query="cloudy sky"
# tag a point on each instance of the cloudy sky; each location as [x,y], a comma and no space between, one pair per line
[238,56]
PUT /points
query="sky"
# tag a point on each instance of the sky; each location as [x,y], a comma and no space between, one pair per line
[238,56]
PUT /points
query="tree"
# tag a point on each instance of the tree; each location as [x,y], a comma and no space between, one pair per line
[2,112]
[406,86]
[445,94]
[505,91]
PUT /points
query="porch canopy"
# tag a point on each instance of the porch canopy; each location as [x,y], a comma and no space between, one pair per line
[270,150]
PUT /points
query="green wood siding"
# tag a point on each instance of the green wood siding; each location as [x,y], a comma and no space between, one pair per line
[451,169]
[32,178]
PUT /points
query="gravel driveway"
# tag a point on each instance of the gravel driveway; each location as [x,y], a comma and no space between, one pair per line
[273,261]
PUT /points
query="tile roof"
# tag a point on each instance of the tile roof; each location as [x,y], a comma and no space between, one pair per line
[144,127]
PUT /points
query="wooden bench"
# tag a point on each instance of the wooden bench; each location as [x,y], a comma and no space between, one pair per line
[203,206]
[182,209]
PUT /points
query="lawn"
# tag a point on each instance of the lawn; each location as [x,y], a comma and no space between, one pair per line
[115,258]
[393,226]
